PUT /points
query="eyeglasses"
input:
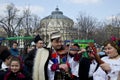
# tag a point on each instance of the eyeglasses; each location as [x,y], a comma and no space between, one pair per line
[60,41]
[74,49]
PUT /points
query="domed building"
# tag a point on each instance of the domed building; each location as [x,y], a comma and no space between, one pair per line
[57,22]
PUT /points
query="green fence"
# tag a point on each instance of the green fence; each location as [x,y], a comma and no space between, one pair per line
[20,38]
[83,43]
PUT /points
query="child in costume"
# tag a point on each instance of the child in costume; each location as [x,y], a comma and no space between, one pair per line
[16,71]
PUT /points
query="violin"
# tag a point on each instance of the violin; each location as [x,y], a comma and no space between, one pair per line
[97,57]
[94,52]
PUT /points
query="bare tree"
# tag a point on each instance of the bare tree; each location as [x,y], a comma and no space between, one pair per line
[112,26]
[115,22]
[86,25]
[99,32]
[11,21]
[36,23]
[30,23]
[108,28]
[26,22]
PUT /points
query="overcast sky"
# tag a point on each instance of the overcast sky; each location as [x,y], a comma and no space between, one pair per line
[101,9]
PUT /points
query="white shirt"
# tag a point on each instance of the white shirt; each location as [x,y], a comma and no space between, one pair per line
[93,66]
[115,69]
[74,65]
[4,66]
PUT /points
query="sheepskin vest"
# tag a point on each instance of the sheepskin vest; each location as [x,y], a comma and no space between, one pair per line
[39,64]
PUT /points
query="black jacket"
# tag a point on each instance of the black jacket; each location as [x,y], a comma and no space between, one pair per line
[84,69]
[2,71]
[29,60]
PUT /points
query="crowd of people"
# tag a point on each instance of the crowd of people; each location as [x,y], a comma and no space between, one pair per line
[59,61]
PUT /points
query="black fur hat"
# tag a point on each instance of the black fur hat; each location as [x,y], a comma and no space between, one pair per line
[5,54]
[37,38]
[0,42]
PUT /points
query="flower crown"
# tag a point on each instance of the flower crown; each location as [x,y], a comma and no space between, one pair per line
[116,40]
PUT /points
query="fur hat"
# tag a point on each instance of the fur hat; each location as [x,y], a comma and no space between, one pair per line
[2,48]
[37,38]
[5,54]
[0,42]
[55,34]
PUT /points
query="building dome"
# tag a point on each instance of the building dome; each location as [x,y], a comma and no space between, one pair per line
[56,21]
[56,15]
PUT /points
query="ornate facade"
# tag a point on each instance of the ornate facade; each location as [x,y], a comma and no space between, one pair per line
[57,22]
[2,32]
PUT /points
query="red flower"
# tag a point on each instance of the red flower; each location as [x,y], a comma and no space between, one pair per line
[54,55]
[113,38]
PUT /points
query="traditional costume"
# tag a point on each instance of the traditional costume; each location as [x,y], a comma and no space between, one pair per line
[53,68]
[40,65]
[42,62]
[74,65]
[113,74]
[73,59]
[29,61]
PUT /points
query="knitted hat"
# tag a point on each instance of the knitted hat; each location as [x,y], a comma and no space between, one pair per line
[5,54]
